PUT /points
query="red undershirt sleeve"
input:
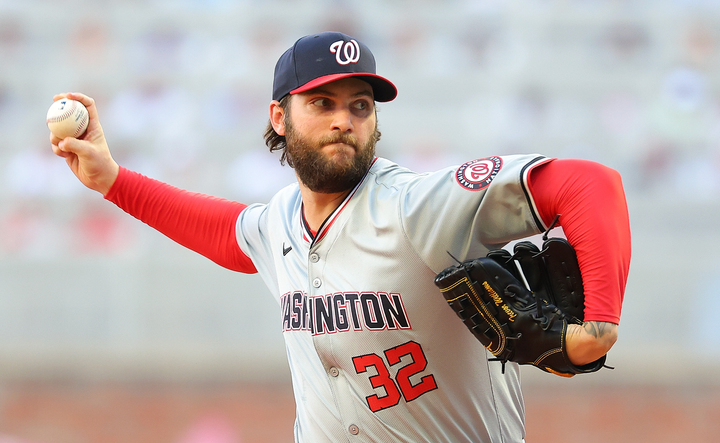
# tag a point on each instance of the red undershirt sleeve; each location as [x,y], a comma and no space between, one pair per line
[199,222]
[593,214]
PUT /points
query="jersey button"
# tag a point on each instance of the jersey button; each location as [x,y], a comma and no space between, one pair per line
[314,258]
[334,371]
[354,430]
[317,283]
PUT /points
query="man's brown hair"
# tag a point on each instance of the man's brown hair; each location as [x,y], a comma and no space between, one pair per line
[275,141]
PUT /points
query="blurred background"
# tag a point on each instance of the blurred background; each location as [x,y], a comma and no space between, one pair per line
[110,332]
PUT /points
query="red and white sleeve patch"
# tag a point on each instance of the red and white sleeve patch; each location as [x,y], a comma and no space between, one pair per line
[477,175]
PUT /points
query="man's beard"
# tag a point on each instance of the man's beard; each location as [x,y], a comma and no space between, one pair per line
[318,171]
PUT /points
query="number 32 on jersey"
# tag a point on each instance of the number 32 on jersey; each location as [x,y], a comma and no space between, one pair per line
[412,355]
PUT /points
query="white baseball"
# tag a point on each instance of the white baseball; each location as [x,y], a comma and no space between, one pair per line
[67,118]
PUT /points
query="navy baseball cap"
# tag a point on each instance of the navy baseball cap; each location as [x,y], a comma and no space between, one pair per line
[317,59]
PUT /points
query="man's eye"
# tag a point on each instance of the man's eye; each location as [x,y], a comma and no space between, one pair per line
[361,106]
[321,102]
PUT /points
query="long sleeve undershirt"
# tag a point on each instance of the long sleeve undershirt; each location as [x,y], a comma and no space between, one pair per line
[199,222]
[590,200]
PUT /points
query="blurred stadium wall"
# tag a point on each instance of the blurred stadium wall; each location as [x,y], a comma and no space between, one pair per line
[88,293]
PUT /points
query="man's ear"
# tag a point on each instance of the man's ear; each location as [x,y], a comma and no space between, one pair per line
[277,117]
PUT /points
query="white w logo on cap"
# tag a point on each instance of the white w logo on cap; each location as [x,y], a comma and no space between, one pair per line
[349,50]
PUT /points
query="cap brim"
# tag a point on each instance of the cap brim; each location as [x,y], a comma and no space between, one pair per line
[383,89]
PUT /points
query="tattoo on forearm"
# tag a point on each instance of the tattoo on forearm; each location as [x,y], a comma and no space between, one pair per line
[596,328]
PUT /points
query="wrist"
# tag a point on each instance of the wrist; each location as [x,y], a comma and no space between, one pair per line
[590,341]
[108,179]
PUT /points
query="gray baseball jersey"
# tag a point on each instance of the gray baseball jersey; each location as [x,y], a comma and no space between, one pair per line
[375,353]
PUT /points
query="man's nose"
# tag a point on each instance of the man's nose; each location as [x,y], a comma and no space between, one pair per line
[342,121]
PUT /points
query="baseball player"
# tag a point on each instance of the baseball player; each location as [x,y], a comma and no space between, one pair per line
[350,252]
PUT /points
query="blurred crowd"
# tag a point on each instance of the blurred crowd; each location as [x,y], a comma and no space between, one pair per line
[183,89]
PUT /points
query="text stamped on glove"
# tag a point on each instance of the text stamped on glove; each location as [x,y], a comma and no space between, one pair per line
[514,323]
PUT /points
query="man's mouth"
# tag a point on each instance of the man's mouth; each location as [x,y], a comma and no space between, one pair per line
[339,144]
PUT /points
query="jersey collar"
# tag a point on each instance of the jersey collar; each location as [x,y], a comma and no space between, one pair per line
[314,237]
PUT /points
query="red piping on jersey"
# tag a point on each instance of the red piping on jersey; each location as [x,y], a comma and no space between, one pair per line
[525,173]
[325,226]
[306,231]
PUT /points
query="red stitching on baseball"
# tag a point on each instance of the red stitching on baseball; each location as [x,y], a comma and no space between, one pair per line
[64,115]
[82,127]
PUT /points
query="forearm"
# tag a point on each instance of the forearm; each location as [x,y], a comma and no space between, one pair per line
[587,343]
[199,222]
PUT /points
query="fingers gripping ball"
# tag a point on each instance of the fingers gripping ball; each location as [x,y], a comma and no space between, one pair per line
[67,118]
[508,319]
